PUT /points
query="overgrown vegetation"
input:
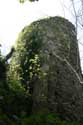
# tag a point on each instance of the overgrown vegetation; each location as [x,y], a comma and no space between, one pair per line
[22,1]
[15,103]
[16,83]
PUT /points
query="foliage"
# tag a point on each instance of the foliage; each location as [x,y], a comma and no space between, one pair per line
[3,67]
[39,118]
[16,99]
[45,118]
[13,98]
[22,1]
[12,103]
[25,63]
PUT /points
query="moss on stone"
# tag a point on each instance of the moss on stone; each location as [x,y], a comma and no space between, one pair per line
[39,64]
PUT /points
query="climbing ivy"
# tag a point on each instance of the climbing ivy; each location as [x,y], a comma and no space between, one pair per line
[25,64]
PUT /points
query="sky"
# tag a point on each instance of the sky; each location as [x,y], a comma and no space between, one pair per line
[15,16]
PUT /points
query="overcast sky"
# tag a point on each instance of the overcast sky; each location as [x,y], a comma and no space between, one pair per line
[14,16]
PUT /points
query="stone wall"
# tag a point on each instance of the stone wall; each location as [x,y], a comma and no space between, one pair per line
[47,61]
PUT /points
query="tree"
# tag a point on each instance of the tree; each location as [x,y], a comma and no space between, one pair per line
[8,56]
[75,8]
[4,65]
[22,1]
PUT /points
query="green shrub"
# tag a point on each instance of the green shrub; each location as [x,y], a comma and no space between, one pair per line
[45,118]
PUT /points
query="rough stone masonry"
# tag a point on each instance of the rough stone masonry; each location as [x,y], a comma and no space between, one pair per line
[47,60]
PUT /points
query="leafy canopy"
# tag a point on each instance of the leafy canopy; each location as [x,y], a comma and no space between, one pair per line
[22,1]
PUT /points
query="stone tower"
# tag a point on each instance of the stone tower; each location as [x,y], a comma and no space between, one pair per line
[47,61]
